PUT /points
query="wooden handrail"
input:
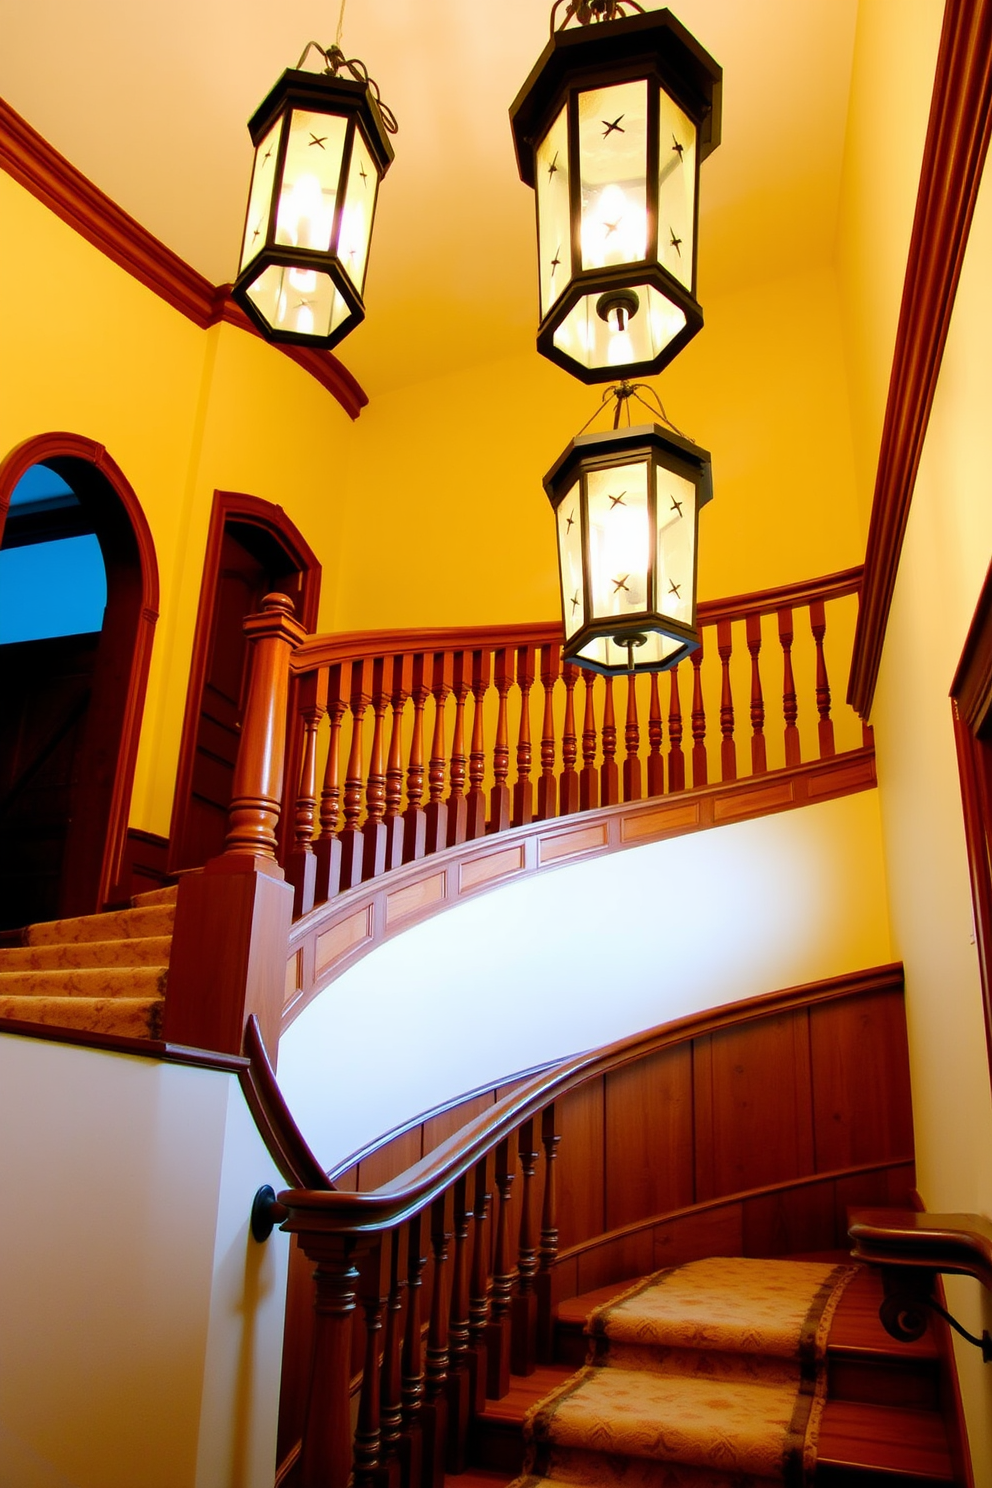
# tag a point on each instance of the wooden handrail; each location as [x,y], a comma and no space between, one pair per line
[957,1243]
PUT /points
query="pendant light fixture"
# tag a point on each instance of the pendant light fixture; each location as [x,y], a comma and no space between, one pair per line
[626,504]
[610,129]
[321,148]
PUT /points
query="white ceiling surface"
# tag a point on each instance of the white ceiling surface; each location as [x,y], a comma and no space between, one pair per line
[151,103]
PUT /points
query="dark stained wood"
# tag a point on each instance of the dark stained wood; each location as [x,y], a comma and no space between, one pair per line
[648,1163]
[382,1165]
[401,683]
[442,678]
[758,756]
[414,818]
[499,809]
[301,862]
[656,760]
[825,727]
[786,1223]
[328,847]
[524,1309]
[569,745]
[608,773]
[699,761]
[790,706]
[728,749]
[580,1178]
[350,836]
[374,830]
[547,785]
[457,803]
[475,823]
[498,1333]
[631,739]
[676,759]
[144,864]
[861,1093]
[522,810]
[588,778]
[459,1380]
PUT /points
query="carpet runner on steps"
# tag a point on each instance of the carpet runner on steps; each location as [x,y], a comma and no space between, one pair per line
[95,973]
[709,1375]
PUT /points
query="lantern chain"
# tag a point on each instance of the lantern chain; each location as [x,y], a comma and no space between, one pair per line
[335,61]
[621,393]
[588,11]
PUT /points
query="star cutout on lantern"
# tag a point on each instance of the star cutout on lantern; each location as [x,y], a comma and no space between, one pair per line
[676,242]
[676,506]
[301,305]
[614,128]
[257,233]
[677,147]
[315,140]
[267,155]
[616,500]
[620,583]
[575,601]
[570,522]
[363,173]
[556,261]
[674,588]
[552,168]
[611,227]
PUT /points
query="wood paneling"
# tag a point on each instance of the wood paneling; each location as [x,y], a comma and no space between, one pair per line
[787,1223]
[581,1173]
[393,1157]
[713,1232]
[860,1064]
[649,1156]
[438,1128]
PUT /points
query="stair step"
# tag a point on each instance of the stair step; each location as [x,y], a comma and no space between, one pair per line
[865,1444]
[129,1017]
[120,924]
[85,981]
[164,895]
[148,950]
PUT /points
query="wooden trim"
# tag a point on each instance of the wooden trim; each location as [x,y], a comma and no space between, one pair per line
[337,934]
[53,448]
[51,179]
[287,1146]
[972,685]
[953,159]
[112,1043]
[233,506]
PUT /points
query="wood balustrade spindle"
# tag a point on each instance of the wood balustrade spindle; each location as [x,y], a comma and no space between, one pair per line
[352,844]
[391,1408]
[326,1452]
[301,862]
[457,804]
[728,749]
[825,726]
[790,705]
[328,848]
[699,766]
[676,759]
[374,1294]
[609,775]
[523,790]
[402,672]
[759,763]
[475,821]
[374,831]
[499,812]
[479,1304]
[632,744]
[434,1412]
[459,1378]
[656,760]
[548,1250]
[569,781]
[589,777]
[498,1332]
[437,807]
[414,817]
[547,785]
[524,1313]
[412,1382]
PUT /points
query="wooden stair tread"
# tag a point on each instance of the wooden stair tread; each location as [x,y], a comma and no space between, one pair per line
[856,1326]
[886,1438]
[526,1390]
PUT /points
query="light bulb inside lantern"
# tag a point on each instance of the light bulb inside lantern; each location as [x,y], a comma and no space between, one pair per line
[621,557]
[305,220]
[614,230]
[303,280]
[304,320]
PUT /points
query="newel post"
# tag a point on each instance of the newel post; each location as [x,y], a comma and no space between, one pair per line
[233,918]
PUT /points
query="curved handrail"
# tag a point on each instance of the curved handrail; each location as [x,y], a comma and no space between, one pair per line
[958,1243]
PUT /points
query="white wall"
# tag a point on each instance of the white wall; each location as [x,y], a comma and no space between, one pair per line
[140,1325]
[578,957]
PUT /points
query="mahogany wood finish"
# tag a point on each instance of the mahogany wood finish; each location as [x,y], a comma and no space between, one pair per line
[956,1243]
[953,159]
[49,177]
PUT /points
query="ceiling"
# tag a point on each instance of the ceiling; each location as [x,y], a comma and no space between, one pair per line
[151,103]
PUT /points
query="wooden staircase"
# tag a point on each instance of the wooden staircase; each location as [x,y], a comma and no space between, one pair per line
[103,973]
[883,1422]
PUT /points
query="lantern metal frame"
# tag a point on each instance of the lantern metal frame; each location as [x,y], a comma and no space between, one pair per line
[588,453]
[354,98]
[655,47]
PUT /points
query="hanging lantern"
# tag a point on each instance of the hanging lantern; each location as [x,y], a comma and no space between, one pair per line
[321,148]
[610,129]
[626,504]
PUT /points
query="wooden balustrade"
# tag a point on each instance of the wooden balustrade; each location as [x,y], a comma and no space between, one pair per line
[487,686]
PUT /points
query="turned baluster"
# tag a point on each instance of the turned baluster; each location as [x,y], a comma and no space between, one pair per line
[326,1450]
[437,807]
[524,1314]
[457,804]
[373,1291]
[632,743]
[374,831]
[728,749]
[434,1412]
[328,847]
[352,843]
[698,720]
[548,1251]
[459,1377]
[412,1386]
[499,810]
[589,778]
[547,786]
[790,706]
[523,790]
[676,759]
[401,669]
[479,1286]
[391,1411]
[569,781]
[498,1332]
[475,821]
[414,817]
[656,760]
[758,759]
[609,775]
[818,625]
[301,863]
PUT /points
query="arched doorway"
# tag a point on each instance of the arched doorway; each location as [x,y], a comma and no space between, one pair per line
[73,684]
[252,549]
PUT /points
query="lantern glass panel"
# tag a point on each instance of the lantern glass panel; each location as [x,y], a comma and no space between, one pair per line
[655,651]
[613,146]
[554,232]
[618,542]
[301,300]
[676,545]
[358,212]
[676,190]
[310,178]
[260,196]
[570,557]
[594,342]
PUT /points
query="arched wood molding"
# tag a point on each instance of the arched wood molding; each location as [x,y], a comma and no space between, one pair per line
[324,943]
[51,448]
[35,164]
[953,158]
[235,506]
